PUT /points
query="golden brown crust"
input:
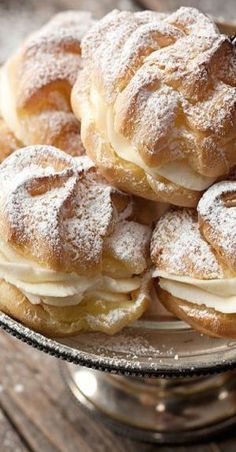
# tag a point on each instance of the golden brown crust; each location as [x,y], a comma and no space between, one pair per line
[8,142]
[200,246]
[36,82]
[203,319]
[124,175]
[178,247]
[169,88]
[57,212]
[216,217]
[90,315]
[60,214]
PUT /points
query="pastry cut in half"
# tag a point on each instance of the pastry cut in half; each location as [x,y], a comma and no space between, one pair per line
[156,100]
[70,257]
[36,83]
[194,255]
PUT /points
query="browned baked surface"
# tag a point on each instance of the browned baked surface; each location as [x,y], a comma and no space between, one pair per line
[61,219]
[90,315]
[8,142]
[168,85]
[36,82]
[199,245]
[205,320]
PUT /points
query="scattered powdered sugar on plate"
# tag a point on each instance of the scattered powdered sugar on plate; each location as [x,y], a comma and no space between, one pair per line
[126,343]
[135,347]
[134,351]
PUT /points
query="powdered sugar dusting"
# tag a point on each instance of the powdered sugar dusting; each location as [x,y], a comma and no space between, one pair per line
[117,315]
[217,209]
[178,247]
[218,108]
[129,243]
[53,53]
[56,210]
[172,83]
[108,46]
[84,162]
[40,77]
[60,128]
[190,19]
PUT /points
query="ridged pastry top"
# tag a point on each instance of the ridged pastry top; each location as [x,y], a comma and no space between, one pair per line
[52,54]
[171,82]
[36,83]
[199,244]
[194,252]
[178,248]
[217,218]
[57,211]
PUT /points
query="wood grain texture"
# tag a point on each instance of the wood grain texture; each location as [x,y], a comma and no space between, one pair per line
[37,412]
[10,439]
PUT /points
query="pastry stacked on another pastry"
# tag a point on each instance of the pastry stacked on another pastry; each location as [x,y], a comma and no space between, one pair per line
[36,83]
[156,100]
[194,254]
[155,95]
[70,258]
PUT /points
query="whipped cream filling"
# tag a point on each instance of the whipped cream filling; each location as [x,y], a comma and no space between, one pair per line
[178,172]
[42,285]
[219,294]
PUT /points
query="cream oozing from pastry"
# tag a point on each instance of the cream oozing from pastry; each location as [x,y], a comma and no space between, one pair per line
[177,172]
[43,285]
[219,294]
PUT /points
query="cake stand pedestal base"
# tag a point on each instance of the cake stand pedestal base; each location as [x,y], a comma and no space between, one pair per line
[158,410]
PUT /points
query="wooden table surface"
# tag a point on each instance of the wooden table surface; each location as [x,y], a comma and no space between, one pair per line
[38,413]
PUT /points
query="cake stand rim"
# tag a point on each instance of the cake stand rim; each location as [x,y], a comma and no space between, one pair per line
[120,366]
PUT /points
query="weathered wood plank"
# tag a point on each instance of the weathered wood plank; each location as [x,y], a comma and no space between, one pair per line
[32,388]
[26,427]
[10,440]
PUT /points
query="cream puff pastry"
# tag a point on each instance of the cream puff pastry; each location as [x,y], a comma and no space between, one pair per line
[36,82]
[70,258]
[156,100]
[8,141]
[194,255]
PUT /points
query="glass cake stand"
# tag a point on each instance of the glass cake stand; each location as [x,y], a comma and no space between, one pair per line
[157,380]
